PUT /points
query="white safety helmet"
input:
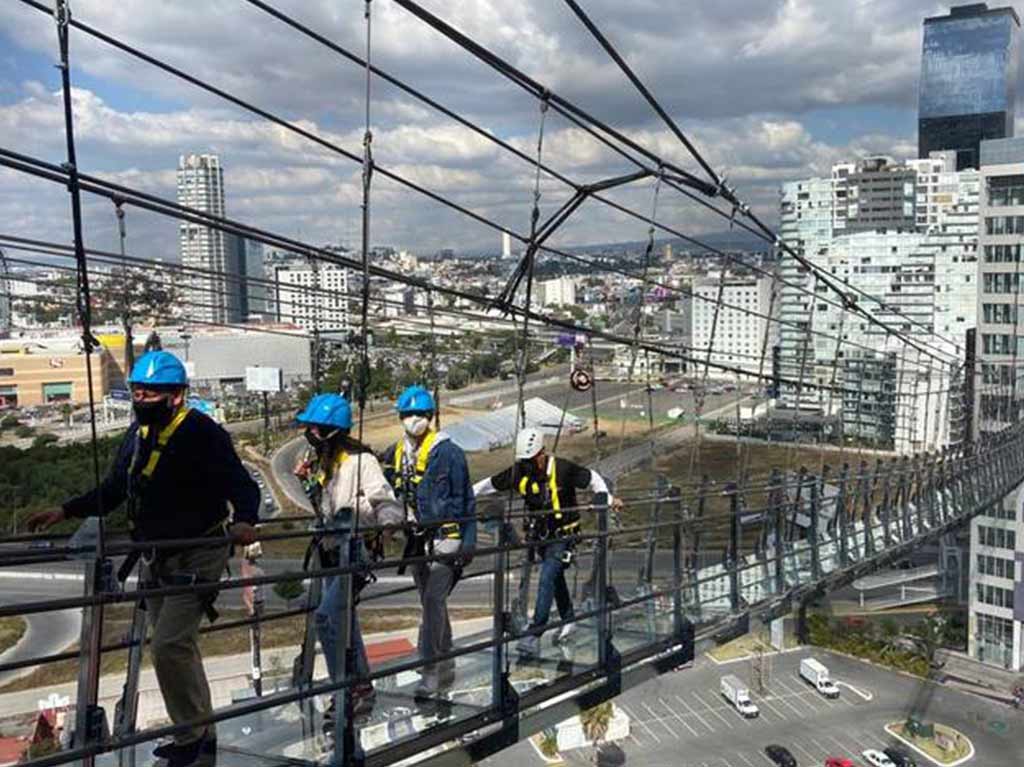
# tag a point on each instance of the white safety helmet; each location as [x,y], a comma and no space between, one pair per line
[529,442]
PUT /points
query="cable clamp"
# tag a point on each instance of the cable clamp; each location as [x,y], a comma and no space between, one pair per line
[62,13]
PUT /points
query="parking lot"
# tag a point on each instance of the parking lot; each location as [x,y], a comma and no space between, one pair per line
[681,720]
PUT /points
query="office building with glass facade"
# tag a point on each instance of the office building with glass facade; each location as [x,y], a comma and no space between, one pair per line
[969,77]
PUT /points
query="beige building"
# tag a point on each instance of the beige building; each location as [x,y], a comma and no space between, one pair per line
[46,370]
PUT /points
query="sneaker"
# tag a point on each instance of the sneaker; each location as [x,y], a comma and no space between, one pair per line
[198,753]
[566,633]
[529,646]
[363,699]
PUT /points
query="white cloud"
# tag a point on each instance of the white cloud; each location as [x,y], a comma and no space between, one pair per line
[741,77]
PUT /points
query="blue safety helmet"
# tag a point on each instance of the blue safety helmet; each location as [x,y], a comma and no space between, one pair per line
[158,368]
[327,410]
[415,399]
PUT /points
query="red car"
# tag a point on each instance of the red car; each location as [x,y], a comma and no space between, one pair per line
[838,761]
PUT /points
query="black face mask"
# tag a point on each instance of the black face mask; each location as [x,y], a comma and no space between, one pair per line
[156,413]
[527,467]
[314,441]
[319,443]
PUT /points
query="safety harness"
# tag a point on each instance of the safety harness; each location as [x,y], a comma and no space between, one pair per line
[409,474]
[329,555]
[136,481]
[529,488]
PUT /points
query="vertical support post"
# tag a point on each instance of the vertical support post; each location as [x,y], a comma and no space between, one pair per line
[499,679]
[812,533]
[90,720]
[905,500]
[842,525]
[126,710]
[885,508]
[868,511]
[776,500]
[345,742]
[254,641]
[733,564]
[677,575]
[606,654]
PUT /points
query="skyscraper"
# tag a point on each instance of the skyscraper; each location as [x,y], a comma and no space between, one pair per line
[996,617]
[216,295]
[969,74]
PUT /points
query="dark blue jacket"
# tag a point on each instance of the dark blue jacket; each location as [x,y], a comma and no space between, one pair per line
[445,491]
[198,474]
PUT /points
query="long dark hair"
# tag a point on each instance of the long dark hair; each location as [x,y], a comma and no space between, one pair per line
[343,440]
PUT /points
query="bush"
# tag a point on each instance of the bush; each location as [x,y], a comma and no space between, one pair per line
[23,431]
[45,439]
[289,590]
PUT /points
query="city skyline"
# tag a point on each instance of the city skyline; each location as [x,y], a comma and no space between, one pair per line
[768,117]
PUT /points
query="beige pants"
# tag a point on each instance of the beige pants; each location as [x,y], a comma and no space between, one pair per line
[175,638]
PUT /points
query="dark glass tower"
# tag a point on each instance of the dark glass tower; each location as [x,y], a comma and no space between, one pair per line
[969,71]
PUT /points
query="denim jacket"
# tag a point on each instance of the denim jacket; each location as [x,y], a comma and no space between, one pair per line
[445,491]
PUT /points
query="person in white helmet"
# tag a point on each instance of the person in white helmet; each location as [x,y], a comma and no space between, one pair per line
[548,486]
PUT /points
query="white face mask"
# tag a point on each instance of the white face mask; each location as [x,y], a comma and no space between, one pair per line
[415,425]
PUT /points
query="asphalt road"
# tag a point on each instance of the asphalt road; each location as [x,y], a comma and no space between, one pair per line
[681,720]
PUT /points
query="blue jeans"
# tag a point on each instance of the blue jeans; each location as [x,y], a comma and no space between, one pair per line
[552,586]
[328,627]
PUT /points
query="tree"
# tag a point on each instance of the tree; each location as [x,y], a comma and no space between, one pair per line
[595,722]
[128,295]
[125,295]
[289,590]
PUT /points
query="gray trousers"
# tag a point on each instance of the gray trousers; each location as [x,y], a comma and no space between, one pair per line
[434,581]
[175,638]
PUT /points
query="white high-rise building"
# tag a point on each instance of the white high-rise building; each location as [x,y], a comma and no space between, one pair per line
[737,336]
[995,632]
[313,298]
[558,292]
[903,237]
[506,245]
[215,297]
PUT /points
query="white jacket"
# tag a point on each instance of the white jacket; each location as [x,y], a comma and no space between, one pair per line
[376,504]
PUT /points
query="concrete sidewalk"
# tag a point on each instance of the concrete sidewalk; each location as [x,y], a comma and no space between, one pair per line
[966,673]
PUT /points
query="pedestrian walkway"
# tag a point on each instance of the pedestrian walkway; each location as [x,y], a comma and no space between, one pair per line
[972,675]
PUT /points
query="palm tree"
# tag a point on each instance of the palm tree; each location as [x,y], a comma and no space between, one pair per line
[595,722]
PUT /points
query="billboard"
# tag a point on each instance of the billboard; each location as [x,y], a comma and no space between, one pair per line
[263,379]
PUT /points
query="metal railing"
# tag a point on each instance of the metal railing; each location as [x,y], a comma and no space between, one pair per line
[814,534]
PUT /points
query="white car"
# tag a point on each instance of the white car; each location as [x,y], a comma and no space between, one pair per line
[877,758]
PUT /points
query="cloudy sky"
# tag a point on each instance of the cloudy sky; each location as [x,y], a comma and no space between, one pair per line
[769,90]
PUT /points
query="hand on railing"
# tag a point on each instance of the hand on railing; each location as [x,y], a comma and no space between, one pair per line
[44,519]
[242,533]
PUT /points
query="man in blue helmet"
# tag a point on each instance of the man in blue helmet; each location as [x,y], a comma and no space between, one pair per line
[431,478]
[349,478]
[181,477]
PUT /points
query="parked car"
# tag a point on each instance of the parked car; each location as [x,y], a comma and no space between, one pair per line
[780,755]
[876,758]
[899,757]
[839,761]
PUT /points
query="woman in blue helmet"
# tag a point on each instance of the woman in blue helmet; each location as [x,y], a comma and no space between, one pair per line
[348,477]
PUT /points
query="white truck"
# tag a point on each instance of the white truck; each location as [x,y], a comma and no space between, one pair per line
[734,691]
[816,674]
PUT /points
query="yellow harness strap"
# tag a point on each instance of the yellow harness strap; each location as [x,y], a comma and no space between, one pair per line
[448,530]
[421,458]
[161,441]
[321,476]
[526,484]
